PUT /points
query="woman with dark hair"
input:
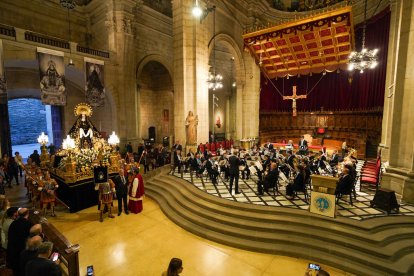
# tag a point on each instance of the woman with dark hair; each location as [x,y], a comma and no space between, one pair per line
[298,183]
[174,268]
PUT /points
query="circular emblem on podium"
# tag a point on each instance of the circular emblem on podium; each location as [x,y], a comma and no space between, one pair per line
[322,203]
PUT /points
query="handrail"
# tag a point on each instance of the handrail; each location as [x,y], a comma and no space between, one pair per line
[69,261]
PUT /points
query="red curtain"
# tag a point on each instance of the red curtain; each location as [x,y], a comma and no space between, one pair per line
[335,91]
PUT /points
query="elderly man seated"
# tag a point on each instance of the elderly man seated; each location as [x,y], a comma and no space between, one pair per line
[345,183]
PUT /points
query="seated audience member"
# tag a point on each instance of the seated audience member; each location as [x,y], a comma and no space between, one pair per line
[174,268]
[36,230]
[298,183]
[10,216]
[30,253]
[42,265]
[345,183]
[18,234]
[269,180]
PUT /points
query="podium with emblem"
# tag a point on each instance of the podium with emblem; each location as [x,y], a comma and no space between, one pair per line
[323,195]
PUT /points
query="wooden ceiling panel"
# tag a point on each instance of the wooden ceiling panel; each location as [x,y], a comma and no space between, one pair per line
[315,43]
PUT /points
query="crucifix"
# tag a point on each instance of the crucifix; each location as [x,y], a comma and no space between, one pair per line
[294,97]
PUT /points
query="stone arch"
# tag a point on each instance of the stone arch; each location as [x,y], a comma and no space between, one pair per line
[154,57]
[232,45]
[27,70]
[155,96]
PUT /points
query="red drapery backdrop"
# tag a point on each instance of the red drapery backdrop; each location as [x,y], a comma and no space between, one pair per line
[334,91]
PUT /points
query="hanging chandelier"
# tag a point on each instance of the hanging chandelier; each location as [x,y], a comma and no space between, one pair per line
[366,59]
[215,81]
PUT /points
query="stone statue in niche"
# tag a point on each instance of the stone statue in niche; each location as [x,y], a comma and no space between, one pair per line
[191,123]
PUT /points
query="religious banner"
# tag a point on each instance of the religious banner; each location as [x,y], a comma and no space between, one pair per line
[95,85]
[3,84]
[52,76]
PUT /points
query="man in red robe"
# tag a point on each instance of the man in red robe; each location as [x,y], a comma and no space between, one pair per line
[136,193]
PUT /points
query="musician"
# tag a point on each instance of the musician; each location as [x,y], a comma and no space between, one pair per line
[344,149]
[47,190]
[322,160]
[289,146]
[246,171]
[177,160]
[212,169]
[290,158]
[334,159]
[345,183]
[266,163]
[269,181]
[197,165]
[187,163]
[269,145]
[303,146]
[298,183]
[234,163]
[177,146]
[224,167]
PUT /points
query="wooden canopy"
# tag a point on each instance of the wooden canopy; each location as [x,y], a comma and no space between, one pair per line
[318,43]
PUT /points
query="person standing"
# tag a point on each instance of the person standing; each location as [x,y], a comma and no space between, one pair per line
[234,163]
[136,193]
[13,170]
[35,157]
[121,189]
[19,160]
[19,231]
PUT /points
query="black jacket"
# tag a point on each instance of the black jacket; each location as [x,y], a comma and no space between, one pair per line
[234,163]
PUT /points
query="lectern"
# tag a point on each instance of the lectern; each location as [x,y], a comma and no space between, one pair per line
[323,195]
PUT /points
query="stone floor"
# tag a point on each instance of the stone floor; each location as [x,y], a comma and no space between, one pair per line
[360,210]
[143,244]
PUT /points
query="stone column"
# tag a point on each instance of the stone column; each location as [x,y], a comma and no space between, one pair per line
[251,98]
[228,133]
[392,62]
[399,115]
[121,72]
[190,70]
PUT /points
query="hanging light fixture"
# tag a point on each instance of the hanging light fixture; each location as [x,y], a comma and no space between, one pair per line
[69,5]
[215,81]
[366,59]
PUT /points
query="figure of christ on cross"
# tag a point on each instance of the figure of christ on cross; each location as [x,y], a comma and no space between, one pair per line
[294,97]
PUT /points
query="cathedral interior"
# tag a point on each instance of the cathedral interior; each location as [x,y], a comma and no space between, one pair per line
[120,78]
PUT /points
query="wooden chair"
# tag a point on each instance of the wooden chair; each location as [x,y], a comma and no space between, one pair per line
[351,192]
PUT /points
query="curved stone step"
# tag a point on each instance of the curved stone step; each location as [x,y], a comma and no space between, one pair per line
[361,247]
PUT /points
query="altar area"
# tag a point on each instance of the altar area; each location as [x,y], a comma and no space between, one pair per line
[72,166]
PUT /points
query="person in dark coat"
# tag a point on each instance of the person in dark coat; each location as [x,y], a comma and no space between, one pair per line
[121,188]
[345,183]
[298,183]
[269,180]
[234,163]
[19,231]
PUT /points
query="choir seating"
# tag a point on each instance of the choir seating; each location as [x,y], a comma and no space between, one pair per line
[332,128]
